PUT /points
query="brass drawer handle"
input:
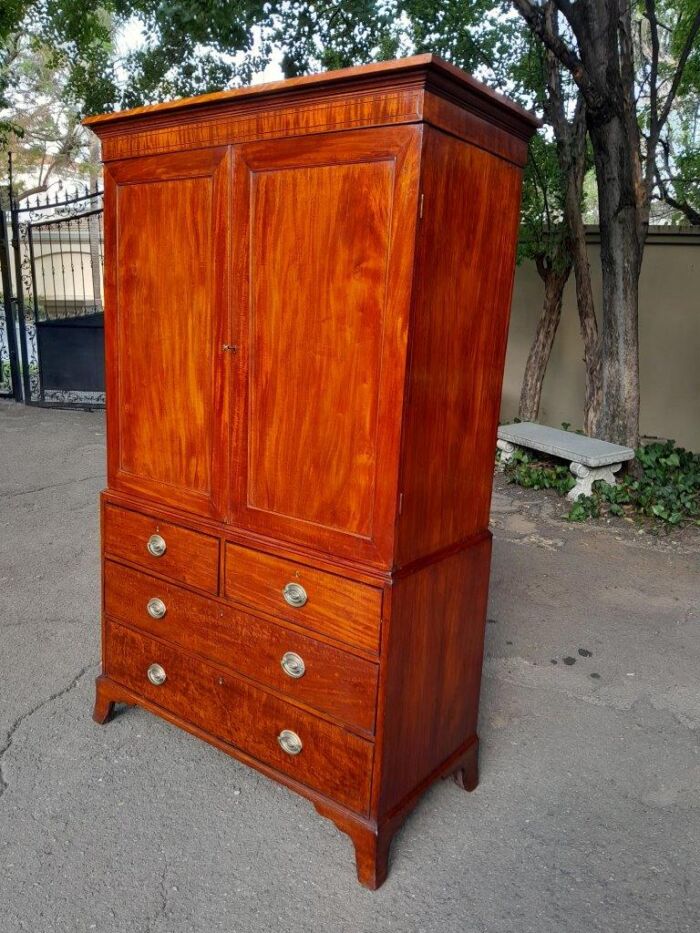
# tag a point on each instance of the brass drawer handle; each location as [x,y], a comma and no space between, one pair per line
[156,674]
[295,595]
[156,546]
[293,665]
[156,608]
[289,742]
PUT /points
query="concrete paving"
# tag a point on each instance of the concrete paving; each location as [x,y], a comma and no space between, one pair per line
[588,813]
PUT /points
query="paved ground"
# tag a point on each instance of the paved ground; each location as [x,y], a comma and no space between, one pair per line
[587,817]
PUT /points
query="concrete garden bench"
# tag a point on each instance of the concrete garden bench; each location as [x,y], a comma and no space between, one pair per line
[590,459]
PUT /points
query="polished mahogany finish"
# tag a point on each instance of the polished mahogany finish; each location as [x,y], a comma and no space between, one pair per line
[324,307]
[342,609]
[333,760]
[333,681]
[169,298]
[307,297]
[189,557]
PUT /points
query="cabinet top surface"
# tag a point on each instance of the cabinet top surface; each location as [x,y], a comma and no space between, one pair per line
[427,70]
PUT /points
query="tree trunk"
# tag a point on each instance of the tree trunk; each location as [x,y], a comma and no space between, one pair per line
[541,349]
[586,312]
[620,253]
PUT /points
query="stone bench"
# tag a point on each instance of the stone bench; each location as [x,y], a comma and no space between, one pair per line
[590,459]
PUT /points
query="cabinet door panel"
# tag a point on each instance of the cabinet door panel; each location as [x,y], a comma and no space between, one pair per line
[166,323]
[322,287]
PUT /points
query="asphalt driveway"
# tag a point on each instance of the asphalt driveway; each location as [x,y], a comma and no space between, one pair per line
[588,813]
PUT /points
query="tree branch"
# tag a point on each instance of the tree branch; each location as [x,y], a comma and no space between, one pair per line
[554,102]
[543,188]
[536,19]
[683,58]
[682,206]
[654,67]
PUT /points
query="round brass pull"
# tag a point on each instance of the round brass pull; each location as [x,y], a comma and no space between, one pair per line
[293,665]
[156,546]
[295,595]
[156,674]
[289,742]
[156,608]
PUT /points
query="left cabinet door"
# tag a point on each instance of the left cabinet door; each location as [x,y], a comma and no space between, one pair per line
[166,325]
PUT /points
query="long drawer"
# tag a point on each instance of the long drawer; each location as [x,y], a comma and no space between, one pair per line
[179,553]
[304,669]
[331,760]
[311,598]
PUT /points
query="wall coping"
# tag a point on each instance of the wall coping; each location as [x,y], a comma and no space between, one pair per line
[659,235]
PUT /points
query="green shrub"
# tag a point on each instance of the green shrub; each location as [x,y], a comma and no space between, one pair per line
[532,473]
[663,485]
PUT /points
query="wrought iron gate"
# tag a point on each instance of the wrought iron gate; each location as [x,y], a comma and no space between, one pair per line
[51,345]
[9,363]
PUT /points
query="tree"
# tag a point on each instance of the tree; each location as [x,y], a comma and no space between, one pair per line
[546,242]
[625,111]
[189,47]
[480,37]
[678,160]
[612,74]
[66,35]
[598,50]
[44,133]
[59,61]
[569,127]
[553,233]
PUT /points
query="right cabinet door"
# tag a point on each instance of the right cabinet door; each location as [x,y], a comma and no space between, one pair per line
[323,253]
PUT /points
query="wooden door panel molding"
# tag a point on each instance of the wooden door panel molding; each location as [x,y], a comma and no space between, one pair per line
[167,296]
[316,452]
[197,163]
[370,145]
[333,353]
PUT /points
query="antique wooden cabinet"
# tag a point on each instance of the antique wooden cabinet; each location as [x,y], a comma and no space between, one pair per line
[307,295]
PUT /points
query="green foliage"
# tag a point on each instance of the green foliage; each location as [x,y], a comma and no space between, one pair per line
[316,36]
[481,36]
[189,46]
[663,486]
[677,160]
[584,507]
[542,234]
[669,488]
[531,473]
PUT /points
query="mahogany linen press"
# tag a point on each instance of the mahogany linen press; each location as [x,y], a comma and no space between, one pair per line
[307,295]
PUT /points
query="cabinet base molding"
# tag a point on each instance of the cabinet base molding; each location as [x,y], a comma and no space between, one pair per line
[371,838]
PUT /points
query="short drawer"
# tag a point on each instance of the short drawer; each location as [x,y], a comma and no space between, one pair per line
[306,670]
[179,553]
[323,602]
[332,761]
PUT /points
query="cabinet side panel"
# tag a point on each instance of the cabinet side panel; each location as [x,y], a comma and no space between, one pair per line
[465,265]
[431,694]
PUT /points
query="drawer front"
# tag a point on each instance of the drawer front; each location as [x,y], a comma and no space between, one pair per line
[331,680]
[332,761]
[323,602]
[188,556]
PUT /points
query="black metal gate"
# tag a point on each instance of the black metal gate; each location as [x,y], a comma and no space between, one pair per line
[51,344]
